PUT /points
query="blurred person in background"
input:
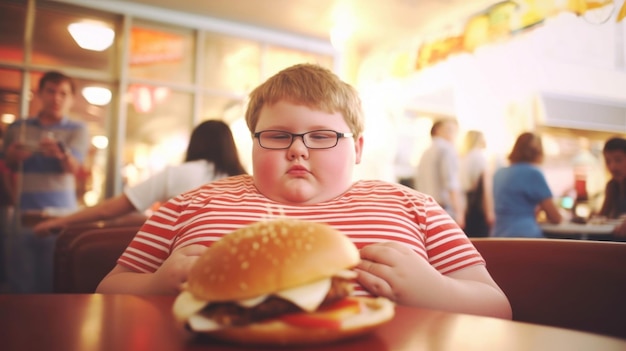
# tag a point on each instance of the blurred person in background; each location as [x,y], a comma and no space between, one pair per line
[7,201]
[211,155]
[614,205]
[521,191]
[438,170]
[476,179]
[45,151]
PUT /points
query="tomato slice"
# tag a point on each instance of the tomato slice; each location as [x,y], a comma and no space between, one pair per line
[353,304]
[328,317]
[307,320]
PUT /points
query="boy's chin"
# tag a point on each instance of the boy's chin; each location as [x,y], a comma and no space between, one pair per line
[300,191]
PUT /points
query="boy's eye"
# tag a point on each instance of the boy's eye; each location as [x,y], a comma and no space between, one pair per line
[321,135]
[278,136]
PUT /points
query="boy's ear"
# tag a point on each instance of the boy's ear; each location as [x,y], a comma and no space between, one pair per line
[358,149]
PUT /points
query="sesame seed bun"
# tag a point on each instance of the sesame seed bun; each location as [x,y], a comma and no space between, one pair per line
[269,256]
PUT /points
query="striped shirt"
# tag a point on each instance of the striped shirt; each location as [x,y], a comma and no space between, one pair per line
[370,211]
[45,183]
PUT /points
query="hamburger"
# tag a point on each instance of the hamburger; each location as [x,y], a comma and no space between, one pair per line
[279,282]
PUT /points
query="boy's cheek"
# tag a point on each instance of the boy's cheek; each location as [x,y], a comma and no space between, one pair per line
[265,164]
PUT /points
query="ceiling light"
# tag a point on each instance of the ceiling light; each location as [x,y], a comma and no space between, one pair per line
[100,141]
[97,95]
[7,118]
[94,36]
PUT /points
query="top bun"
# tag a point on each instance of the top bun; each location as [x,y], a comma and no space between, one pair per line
[269,256]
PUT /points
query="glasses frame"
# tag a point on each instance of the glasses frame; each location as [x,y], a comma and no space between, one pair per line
[339,135]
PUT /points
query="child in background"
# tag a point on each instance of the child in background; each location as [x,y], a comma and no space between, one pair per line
[308,125]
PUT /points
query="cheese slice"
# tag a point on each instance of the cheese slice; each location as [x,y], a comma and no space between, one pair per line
[308,297]
[187,305]
[251,302]
[201,323]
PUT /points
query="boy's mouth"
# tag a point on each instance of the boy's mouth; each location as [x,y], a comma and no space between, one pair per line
[298,170]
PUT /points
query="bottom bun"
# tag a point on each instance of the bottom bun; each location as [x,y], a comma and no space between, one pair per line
[375,312]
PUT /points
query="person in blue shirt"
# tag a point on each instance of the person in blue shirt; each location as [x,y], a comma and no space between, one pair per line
[45,151]
[520,191]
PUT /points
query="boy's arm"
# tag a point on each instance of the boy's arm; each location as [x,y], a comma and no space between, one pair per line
[474,291]
[393,270]
[166,280]
[122,280]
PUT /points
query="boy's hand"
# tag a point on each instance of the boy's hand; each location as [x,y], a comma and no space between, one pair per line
[173,272]
[394,271]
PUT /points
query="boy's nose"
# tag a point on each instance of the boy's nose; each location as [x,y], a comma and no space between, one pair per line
[297,148]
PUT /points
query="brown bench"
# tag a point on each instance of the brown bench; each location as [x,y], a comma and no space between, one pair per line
[564,283]
[83,256]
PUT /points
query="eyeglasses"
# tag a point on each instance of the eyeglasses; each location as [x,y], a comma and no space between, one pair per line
[315,139]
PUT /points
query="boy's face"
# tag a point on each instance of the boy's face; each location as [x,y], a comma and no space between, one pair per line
[616,164]
[56,99]
[299,175]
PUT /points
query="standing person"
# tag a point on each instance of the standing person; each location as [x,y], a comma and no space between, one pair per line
[614,205]
[438,170]
[477,179]
[520,191]
[46,151]
[307,127]
[211,155]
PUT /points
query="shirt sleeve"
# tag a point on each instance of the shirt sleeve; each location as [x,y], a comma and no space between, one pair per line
[79,142]
[539,190]
[146,193]
[449,168]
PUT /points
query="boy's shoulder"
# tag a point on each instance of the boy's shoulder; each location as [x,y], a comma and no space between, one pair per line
[376,185]
[73,124]
[237,183]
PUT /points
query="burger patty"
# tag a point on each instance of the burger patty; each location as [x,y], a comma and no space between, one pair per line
[232,314]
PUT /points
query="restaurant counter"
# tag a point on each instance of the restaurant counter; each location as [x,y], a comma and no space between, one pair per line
[88,322]
[583,231]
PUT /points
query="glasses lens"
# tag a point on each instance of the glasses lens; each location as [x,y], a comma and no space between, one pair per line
[320,139]
[275,139]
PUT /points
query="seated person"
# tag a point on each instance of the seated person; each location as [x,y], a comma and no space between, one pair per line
[211,154]
[614,205]
[307,127]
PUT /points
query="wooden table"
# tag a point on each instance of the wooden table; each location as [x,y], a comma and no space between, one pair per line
[88,322]
[578,231]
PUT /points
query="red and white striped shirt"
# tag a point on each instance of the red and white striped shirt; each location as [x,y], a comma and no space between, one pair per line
[370,211]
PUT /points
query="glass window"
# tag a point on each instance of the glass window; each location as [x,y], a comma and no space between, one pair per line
[278,58]
[161,53]
[227,108]
[12,23]
[231,64]
[9,98]
[157,130]
[54,45]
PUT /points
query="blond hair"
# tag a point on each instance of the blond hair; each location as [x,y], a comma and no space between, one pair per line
[312,86]
[473,139]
